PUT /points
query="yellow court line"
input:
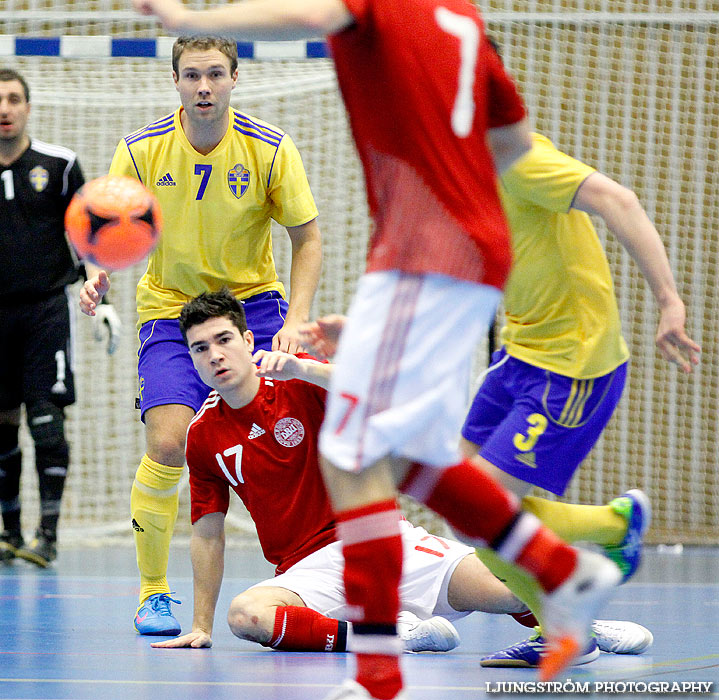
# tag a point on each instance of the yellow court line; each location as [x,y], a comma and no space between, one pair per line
[105,681]
[645,669]
[233,684]
[246,684]
[659,664]
[678,666]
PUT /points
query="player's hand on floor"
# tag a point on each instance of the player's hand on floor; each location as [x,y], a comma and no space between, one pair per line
[92,292]
[672,340]
[193,640]
[276,365]
[321,336]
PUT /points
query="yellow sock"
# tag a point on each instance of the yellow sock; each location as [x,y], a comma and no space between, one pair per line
[153,504]
[517,580]
[575,523]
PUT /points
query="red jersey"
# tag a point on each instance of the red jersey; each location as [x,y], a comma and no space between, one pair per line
[267,453]
[422,86]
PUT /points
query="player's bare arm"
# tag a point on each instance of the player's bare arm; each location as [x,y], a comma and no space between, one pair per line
[207,551]
[92,301]
[305,269]
[283,366]
[92,292]
[509,143]
[321,336]
[253,20]
[626,219]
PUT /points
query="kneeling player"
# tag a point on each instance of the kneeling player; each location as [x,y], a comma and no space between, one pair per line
[257,434]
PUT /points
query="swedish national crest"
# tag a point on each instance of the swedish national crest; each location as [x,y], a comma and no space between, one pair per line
[238,180]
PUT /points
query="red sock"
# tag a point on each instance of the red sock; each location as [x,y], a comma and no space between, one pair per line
[302,629]
[379,674]
[526,618]
[473,503]
[484,512]
[372,547]
[548,558]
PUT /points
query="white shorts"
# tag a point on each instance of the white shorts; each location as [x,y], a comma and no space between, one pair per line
[429,563]
[401,382]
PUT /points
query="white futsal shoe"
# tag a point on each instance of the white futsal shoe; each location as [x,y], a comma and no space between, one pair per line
[434,634]
[622,637]
[614,636]
[569,610]
[352,690]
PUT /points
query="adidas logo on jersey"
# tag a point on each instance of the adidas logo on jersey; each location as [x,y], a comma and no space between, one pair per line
[255,432]
[166,181]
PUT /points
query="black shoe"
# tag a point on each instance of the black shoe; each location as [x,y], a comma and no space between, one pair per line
[42,549]
[10,542]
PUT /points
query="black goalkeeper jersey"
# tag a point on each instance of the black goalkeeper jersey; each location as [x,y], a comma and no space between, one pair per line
[35,257]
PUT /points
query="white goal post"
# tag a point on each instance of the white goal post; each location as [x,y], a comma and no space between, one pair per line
[632,92]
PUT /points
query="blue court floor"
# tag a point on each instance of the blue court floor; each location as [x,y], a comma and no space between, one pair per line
[67,633]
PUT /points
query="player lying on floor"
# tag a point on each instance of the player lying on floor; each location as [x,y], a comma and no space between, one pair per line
[257,434]
[323,337]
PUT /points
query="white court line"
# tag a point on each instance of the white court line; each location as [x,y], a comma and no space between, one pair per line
[229,684]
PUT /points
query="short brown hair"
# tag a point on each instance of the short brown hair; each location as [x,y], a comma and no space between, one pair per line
[203,43]
[212,305]
[8,74]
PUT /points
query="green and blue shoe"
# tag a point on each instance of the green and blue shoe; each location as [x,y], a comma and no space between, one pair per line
[634,506]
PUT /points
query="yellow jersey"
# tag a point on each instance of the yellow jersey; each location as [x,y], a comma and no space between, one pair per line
[561,311]
[217,208]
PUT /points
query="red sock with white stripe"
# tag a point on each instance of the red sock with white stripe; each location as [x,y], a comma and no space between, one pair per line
[544,555]
[372,547]
[303,629]
[526,618]
[479,508]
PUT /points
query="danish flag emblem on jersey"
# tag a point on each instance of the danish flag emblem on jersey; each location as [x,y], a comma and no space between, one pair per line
[289,432]
[239,180]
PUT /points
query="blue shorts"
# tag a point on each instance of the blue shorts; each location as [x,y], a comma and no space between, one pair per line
[165,370]
[537,425]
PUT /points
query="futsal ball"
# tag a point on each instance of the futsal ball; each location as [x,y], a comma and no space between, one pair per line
[113,221]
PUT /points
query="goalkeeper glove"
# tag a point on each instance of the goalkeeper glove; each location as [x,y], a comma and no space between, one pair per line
[106,318]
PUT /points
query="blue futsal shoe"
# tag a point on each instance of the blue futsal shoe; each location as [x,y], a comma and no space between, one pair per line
[528,654]
[634,506]
[155,617]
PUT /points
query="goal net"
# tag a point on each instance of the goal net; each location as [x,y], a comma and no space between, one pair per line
[631,92]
